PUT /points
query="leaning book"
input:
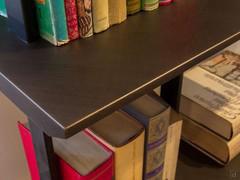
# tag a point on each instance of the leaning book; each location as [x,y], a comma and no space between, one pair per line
[211,94]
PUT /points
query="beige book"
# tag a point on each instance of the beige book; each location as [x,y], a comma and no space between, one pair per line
[125,137]
[219,149]
[100,15]
[215,86]
[172,147]
[117,11]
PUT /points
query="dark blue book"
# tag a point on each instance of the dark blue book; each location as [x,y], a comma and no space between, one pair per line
[154,114]
[22,19]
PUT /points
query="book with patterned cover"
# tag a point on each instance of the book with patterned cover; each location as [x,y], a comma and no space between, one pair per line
[3,11]
[52,21]
[100,15]
[149,5]
[72,19]
[154,114]
[211,94]
[85,18]
[133,6]
[80,157]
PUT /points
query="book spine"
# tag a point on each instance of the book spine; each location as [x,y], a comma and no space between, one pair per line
[149,5]
[117,11]
[155,143]
[60,21]
[3,11]
[100,15]
[72,19]
[52,21]
[85,18]
[133,6]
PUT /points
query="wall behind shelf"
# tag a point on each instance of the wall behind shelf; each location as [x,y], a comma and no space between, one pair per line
[13,165]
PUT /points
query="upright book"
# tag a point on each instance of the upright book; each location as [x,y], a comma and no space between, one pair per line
[209,143]
[154,114]
[100,15]
[72,19]
[52,21]
[125,137]
[133,6]
[80,157]
[85,18]
[211,93]
[3,11]
[117,11]
[149,5]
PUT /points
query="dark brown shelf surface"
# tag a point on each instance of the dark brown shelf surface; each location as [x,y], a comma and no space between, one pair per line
[66,89]
[194,165]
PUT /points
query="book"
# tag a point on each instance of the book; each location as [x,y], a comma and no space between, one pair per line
[72,19]
[117,11]
[52,21]
[172,147]
[214,85]
[149,5]
[85,18]
[165,2]
[133,6]
[22,19]
[217,148]
[125,137]
[100,15]
[79,157]
[154,114]
[3,11]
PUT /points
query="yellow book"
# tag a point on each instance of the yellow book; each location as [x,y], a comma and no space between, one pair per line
[100,15]
[125,137]
[117,11]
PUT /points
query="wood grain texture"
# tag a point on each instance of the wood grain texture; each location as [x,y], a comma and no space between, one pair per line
[68,88]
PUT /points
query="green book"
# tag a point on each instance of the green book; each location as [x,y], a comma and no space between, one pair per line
[149,5]
[3,11]
[52,21]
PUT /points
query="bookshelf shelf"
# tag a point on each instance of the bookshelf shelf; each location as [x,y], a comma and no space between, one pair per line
[66,89]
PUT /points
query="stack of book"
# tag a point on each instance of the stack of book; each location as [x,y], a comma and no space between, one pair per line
[140,141]
[210,104]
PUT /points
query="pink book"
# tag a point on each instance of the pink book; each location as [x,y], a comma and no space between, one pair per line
[73,165]
[72,19]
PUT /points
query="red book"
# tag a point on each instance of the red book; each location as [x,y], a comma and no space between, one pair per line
[165,2]
[104,171]
[72,19]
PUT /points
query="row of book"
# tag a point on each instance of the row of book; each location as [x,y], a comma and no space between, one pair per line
[210,104]
[140,141]
[67,20]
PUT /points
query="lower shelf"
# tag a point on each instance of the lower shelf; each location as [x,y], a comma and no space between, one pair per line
[193,165]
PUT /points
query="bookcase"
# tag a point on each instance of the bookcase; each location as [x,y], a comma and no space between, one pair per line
[64,90]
